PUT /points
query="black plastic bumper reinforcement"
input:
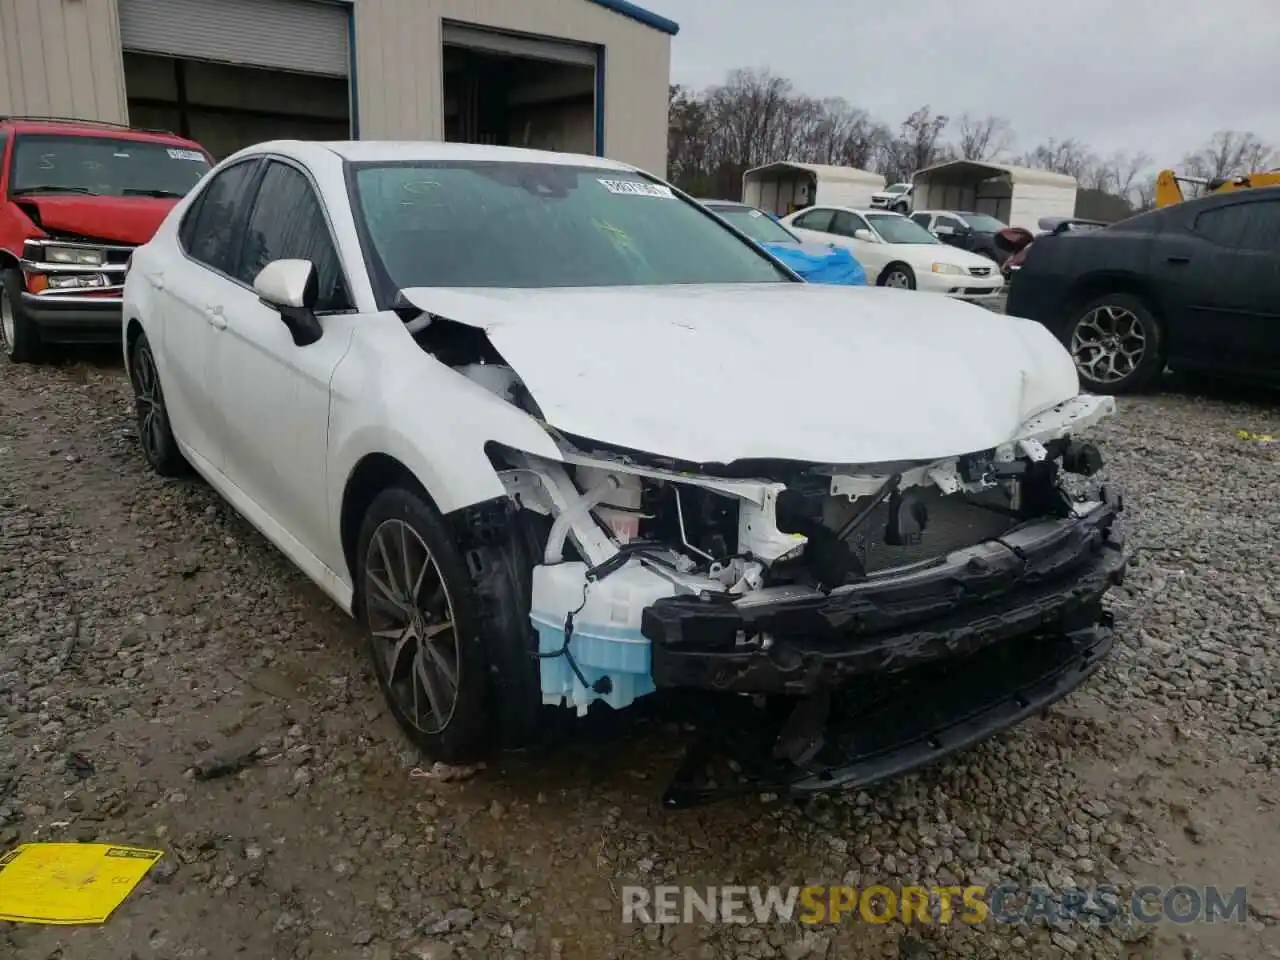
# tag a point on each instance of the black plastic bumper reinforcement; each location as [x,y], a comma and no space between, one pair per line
[883,727]
[1043,577]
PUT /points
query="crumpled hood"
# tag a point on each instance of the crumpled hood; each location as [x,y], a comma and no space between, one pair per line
[797,371]
[127,220]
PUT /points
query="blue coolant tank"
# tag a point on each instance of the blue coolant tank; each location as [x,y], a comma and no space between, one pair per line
[606,638]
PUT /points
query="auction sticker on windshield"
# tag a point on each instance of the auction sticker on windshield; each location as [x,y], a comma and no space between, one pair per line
[636,188]
[186,155]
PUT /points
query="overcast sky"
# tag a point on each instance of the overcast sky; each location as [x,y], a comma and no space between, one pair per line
[1134,74]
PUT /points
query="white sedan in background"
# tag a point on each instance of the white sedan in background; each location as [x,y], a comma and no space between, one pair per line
[491,402]
[898,252]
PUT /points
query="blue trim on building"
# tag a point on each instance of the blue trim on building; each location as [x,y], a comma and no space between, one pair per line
[600,54]
[352,83]
[640,15]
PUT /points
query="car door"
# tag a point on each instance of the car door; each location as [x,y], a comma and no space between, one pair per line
[1224,268]
[1234,287]
[274,393]
[184,287]
[873,256]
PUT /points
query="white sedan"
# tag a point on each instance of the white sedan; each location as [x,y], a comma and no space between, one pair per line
[556,434]
[897,252]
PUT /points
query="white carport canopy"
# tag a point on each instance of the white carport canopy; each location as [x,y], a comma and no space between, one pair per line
[1007,192]
[788,185]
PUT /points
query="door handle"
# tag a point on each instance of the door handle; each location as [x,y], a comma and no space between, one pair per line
[1177,259]
[157,280]
[216,318]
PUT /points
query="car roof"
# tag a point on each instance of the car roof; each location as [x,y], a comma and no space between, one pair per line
[90,128]
[726,203]
[391,151]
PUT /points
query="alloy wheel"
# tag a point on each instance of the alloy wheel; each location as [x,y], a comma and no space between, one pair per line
[411,619]
[899,280]
[8,324]
[149,403]
[1108,343]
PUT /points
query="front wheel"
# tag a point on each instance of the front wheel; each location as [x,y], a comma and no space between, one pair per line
[19,337]
[448,634]
[898,275]
[1116,343]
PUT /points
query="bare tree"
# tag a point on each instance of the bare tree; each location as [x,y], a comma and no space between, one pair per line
[1068,156]
[1229,153]
[983,139]
[918,145]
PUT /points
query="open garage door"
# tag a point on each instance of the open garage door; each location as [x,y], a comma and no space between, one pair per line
[517,90]
[230,73]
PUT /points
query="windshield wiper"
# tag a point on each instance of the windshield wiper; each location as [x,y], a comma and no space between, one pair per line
[129,192]
[52,188]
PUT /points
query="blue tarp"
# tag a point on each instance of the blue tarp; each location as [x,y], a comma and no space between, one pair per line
[820,263]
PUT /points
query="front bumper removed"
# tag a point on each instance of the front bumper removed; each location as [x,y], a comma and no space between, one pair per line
[895,671]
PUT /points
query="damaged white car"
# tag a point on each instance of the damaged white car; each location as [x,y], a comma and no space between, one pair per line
[556,434]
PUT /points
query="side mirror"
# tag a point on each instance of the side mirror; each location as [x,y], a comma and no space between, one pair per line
[292,288]
[865,235]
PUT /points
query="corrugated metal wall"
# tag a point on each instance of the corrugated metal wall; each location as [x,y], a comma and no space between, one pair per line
[61,58]
[399,72]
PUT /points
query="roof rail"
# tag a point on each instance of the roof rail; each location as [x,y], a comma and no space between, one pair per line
[102,123]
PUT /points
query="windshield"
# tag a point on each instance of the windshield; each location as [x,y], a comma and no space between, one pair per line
[981,223]
[897,229]
[495,224]
[755,224]
[103,166]
[896,188]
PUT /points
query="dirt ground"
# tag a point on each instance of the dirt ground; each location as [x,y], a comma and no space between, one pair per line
[147,632]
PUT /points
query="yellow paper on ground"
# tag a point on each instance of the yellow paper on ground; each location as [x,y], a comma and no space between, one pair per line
[69,882]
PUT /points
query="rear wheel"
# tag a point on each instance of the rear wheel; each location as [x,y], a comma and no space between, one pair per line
[1116,343]
[898,275]
[19,336]
[155,433]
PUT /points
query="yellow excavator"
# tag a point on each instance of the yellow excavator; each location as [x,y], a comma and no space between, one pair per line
[1169,189]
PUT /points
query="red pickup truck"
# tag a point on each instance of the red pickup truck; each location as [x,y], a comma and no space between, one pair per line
[76,197]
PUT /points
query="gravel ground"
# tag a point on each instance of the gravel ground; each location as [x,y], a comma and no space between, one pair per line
[146,632]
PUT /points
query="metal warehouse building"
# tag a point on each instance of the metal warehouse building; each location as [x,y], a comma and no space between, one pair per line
[588,76]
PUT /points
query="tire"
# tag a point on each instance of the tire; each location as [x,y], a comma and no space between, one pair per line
[467,627]
[1117,344]
[155,432]
[901,208]
[19,336]
[897,275]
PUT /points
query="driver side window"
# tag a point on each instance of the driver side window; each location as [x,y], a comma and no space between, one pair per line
[819,220]
[846,224]
[288,223]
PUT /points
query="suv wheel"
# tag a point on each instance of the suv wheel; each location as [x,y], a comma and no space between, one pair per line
[19,337]
[1116,343]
